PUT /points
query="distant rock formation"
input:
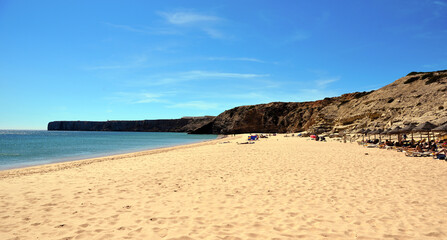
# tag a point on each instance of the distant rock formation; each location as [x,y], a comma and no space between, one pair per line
[415,98]
[187,124]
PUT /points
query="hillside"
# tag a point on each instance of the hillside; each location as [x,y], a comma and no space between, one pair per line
[415,98]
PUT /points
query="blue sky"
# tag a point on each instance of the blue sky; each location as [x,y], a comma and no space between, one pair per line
[134,60]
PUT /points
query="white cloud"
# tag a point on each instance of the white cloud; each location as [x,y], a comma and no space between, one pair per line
[190,20]
[128,28]
[136,62]
[182,18]
[324,82]
[235,59]
[299,36]
[138,97]
[167,79]
[197,105]
[205,74]
[214,33]
[440,3]
[144,29]
[296,37]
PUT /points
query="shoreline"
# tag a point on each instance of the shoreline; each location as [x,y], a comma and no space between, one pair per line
[61,165]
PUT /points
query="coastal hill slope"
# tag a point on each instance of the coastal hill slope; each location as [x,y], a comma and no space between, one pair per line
[415,98]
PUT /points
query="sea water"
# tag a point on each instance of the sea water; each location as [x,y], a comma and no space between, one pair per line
[21,148]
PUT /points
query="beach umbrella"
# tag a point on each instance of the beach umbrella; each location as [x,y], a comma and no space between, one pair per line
[442,128]
[386,132]
[408,129]
[374,132]
[396,130]
[424,127]
[379,131]
[366,132]
[362,131]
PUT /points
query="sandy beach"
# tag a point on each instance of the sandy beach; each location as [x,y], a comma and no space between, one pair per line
[278,188]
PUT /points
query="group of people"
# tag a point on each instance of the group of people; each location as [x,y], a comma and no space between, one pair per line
[437,149]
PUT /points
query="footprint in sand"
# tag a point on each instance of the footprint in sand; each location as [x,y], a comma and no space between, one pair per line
[161,232]
[84,225]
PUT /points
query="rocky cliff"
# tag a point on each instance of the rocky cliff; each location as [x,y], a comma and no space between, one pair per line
[187,124]
[415,98]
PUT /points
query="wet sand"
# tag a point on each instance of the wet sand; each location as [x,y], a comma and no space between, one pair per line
[278,188]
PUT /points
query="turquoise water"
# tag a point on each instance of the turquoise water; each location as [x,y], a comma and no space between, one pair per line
[21,148]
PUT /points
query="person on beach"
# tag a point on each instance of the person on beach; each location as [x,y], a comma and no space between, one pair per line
[433,148]
[418,148]
[441,154]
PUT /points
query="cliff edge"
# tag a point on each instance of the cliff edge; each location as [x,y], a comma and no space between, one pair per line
[186,124]
[415,98]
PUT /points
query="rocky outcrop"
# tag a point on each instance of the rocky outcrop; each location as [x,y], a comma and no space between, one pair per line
[186,124]
[279,117]
[415,98]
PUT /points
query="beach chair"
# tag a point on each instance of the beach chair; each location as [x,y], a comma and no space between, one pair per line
[371,145]
[417,154]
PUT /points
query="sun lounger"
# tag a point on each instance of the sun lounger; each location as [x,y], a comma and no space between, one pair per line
[417,154]
[439,156]
[247,143]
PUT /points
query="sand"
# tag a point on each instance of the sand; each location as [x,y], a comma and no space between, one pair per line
[278,188]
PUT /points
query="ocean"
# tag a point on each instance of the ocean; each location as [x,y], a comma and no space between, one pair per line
[22,148]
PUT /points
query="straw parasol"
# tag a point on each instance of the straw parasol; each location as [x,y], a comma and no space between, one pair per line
[442,128]
[362,131]
[408,129]
[386,132]
[380,131]
[375,132]
[396,130]
[372,132]
[424,127]
[366,132]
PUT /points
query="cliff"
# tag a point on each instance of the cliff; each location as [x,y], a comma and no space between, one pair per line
[415,98]
[279,117]
[186,124]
